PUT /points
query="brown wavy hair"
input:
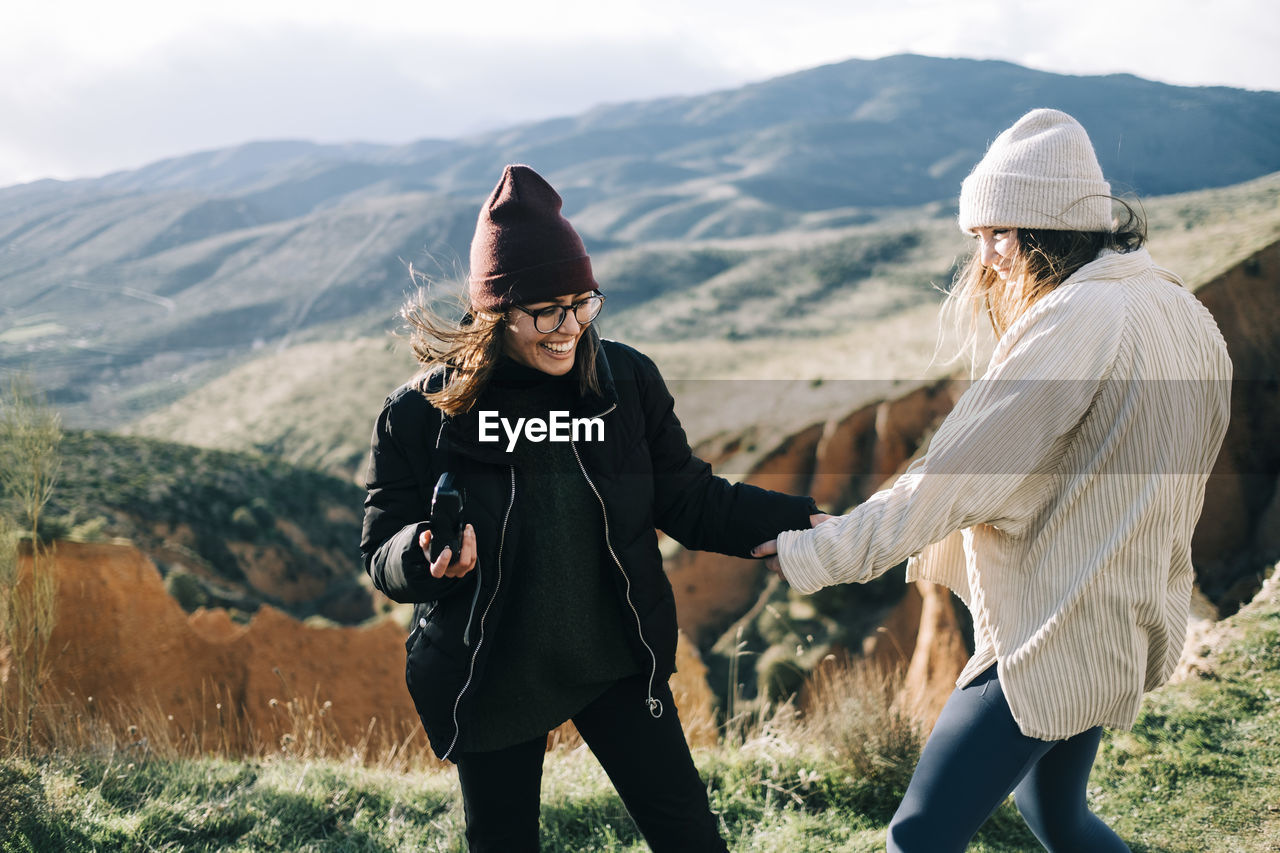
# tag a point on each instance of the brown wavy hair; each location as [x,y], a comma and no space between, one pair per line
[1045,259]
[465,352]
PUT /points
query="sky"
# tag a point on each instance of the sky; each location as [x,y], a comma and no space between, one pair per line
[90,87]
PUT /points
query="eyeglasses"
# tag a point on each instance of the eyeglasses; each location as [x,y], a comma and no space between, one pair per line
[547,320]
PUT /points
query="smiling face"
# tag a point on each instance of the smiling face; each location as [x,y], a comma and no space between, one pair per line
[553,352]
[997,248]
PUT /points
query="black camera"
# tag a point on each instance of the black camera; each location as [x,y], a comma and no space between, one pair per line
[446,518]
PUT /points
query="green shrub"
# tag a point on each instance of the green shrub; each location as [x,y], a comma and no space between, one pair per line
[186,589]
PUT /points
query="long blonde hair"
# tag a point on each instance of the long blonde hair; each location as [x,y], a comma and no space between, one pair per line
[1045,258]
[467,351]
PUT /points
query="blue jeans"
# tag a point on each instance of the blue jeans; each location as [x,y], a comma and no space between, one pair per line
[975,757]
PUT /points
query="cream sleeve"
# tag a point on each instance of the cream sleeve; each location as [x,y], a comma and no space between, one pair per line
[1009,426]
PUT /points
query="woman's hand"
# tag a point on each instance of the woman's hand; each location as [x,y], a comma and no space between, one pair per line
[769,550]
[445,566]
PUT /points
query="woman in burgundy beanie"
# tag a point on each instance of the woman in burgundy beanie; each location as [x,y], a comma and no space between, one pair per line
[556,606]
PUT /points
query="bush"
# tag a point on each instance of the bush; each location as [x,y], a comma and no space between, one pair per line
[186,589]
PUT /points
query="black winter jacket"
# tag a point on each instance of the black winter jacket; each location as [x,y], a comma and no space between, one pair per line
[645,477]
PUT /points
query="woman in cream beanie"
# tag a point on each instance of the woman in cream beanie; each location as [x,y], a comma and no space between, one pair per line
[1057,499]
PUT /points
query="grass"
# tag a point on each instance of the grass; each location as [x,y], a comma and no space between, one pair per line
[1197,773]
[271,405]
[1202,765]
[110,803]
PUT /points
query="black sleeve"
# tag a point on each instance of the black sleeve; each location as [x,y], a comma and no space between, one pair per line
[396,506]
[693,506]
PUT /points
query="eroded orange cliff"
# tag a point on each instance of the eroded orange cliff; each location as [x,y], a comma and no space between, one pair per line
[124,652]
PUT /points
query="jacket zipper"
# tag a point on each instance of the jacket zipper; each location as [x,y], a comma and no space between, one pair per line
[475,598]
[457,728]
[655,706]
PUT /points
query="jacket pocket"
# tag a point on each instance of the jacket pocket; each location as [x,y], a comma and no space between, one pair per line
[422,614]
[434,678]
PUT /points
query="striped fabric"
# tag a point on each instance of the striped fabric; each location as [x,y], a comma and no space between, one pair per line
[1059,497]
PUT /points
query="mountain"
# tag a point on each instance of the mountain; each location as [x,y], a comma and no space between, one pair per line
[124,292]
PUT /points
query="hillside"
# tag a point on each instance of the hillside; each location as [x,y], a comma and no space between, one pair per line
[125,292]
[225,529]
[871,334]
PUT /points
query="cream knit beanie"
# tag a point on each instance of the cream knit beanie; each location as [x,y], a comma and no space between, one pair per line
[1040,173]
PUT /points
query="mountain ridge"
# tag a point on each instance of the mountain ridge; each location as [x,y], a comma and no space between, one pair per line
[808,95]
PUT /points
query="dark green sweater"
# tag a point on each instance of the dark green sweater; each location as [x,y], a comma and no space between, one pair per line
[562,639]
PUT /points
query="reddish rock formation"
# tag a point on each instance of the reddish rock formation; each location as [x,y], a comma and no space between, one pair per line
[711,590]
[939,656]
[842,469]
[923,638]
[1238,528]
[840,463]
[859,452]
[904,424]
[121,639]
[203,682]
[894,643]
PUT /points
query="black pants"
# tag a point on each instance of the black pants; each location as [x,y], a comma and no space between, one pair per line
[647,760]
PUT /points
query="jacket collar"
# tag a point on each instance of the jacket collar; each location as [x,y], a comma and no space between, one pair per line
[1111,265]
[460,431]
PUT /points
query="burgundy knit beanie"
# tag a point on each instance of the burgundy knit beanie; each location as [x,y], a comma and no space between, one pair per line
[524,250]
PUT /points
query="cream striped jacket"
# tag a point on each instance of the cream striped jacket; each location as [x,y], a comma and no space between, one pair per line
[1059,497]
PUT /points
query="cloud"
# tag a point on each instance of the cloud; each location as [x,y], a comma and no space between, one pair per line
[86,89]
[230,86]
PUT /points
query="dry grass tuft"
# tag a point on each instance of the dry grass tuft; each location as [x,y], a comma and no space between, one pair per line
[852,712]
[302,728]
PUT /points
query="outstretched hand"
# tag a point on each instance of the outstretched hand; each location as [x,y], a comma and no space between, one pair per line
[445,566]
[769,550]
